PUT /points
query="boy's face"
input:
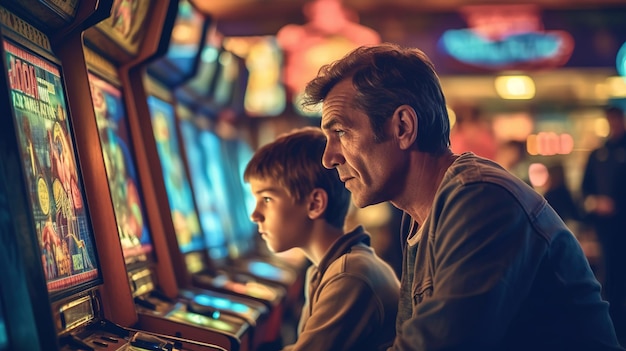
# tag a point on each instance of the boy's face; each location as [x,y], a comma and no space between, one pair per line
[283,223]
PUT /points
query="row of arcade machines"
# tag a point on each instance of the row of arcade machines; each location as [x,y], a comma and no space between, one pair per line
[128,255]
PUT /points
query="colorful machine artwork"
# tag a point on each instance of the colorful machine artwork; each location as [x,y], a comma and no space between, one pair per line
[121,172]
[51,170]
[125,25]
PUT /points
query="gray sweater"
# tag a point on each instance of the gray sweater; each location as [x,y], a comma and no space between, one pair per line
[493,267]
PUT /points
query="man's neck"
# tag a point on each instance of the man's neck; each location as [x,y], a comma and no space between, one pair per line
[425,174]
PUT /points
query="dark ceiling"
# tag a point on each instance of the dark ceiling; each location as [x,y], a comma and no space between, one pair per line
[263,17]
[600,26]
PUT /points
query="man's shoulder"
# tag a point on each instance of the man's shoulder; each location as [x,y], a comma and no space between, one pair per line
[476,171]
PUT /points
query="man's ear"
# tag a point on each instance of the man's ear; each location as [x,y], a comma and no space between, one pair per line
[405,126]
[317,203]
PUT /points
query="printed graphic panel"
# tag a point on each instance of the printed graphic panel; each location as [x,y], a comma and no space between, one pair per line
[55,187]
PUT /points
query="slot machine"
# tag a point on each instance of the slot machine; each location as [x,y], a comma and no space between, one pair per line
[48,184]
[110,48]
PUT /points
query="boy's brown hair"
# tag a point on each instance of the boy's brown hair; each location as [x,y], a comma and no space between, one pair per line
[294,161]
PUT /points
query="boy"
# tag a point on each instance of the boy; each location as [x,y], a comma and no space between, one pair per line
[351,295]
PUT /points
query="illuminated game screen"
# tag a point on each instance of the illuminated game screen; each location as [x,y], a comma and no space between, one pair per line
[180,60]
[207,201]
[56,192]
[121,172]
[186,37]
[184,215]
[199,319]
[4,340]
[236,154]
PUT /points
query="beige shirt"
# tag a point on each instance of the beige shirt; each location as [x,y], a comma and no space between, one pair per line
[351,299]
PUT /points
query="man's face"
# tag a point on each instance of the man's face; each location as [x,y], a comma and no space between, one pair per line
[367,167]
[283,224]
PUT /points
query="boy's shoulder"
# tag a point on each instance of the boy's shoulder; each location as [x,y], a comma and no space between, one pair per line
[360,261]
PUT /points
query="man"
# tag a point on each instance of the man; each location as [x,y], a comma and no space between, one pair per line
[351,295]
[604,191]
[488,265]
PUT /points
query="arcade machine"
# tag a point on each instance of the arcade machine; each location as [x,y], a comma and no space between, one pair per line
[171,70]
[109,46]
[218,202]
[196,243]
[218,89]
[203,179]
[129,204]
[232,154]
[207,265]
[55,214]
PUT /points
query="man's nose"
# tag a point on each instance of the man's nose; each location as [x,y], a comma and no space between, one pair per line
[331,158]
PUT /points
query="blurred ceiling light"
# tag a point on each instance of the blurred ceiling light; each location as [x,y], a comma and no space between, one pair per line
[184,33]
[601,127]
[188,26]
[617,86]
[451,116]
[538,174]
[549,144]
[518,87]
[513,126]
[601,91]
[240,46]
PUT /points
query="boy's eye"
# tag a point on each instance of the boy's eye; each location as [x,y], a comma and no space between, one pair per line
[266,199]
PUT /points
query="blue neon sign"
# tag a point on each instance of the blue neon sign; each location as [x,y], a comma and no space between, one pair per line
[550,48]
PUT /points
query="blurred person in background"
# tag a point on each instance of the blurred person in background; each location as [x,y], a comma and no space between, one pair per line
[473,133]
[560,197]
[512,156]
[487,265]
[604,191]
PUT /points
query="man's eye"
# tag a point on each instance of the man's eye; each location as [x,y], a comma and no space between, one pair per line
[339,132]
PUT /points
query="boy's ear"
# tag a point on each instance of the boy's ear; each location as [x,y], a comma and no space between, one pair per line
[405,126]
[317,203]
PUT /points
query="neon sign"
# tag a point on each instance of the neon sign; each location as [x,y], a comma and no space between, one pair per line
[506,37]
[620,61]
[521,50]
